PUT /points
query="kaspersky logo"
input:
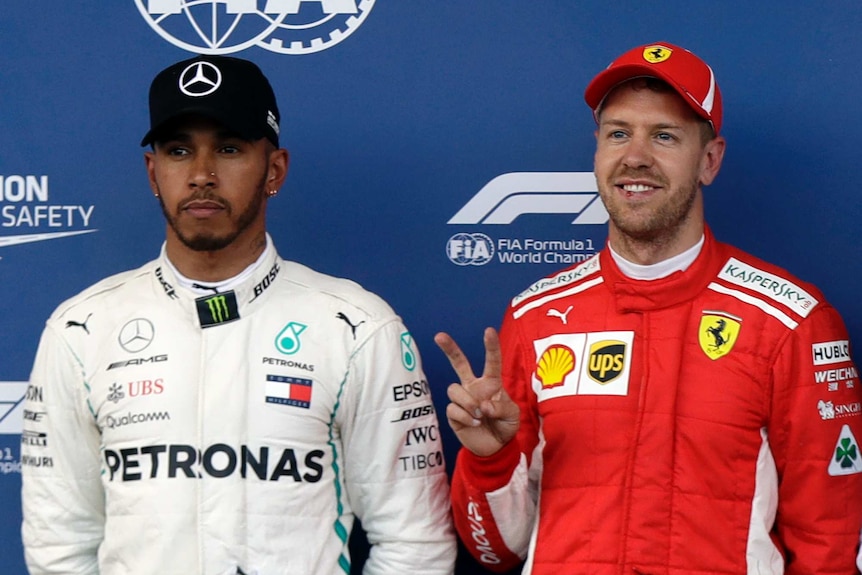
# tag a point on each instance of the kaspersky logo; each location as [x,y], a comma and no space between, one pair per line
[217,309]
[293,27]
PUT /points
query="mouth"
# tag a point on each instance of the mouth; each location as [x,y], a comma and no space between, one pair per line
[637,188]
[202,208]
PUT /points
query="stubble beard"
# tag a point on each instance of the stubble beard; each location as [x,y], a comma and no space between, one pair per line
[209,241]
[651,225]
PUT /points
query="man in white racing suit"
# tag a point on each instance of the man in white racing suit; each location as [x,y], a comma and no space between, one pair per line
[221,410]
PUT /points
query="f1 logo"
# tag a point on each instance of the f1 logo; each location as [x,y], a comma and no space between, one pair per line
[509,195]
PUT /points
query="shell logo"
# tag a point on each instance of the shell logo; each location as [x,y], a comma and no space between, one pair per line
[554,365]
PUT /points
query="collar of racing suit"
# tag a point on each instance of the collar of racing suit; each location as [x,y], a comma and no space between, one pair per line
[633,295]
[249,291]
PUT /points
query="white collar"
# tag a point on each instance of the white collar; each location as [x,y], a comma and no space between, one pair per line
[655,271]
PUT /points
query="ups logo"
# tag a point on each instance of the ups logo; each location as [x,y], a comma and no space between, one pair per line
[607,360]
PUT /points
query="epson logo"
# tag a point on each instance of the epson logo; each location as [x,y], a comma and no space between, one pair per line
[219,460]
[139,361]
[480,535]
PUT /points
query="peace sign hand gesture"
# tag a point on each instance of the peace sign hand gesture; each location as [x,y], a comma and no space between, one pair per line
[481,413]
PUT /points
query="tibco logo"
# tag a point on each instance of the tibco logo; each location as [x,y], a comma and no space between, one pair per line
[466,249]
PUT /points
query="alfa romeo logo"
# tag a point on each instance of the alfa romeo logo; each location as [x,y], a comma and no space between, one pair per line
[225,26]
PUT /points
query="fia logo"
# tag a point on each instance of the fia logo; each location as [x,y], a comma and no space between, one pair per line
[470,249]
[293,27]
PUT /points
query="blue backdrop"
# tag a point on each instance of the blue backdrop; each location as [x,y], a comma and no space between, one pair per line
[441,151]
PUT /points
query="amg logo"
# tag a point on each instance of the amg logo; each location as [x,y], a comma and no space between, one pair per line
[139,361]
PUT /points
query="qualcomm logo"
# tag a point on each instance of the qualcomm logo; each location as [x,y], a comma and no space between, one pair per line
[225,26]
[510,195]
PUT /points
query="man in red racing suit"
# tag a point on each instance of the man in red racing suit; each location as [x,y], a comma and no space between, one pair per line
[688,414]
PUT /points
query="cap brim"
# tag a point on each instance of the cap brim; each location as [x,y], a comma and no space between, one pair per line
[228,122]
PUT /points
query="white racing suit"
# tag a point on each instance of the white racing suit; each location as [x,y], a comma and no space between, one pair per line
[242,432]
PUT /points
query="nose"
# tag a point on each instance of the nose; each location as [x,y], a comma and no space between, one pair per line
[203,171]
[638,153]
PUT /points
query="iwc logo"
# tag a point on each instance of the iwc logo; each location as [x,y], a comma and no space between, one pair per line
[292,27]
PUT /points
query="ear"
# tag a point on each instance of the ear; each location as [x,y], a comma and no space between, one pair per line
[713,153]
[150,162]
[277,169]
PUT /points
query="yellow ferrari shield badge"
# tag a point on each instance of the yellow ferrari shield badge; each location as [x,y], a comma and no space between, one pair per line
[718,333]
[655,54]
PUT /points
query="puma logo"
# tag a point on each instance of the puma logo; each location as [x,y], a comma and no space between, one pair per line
[562,315]
[348,322]
[82,325]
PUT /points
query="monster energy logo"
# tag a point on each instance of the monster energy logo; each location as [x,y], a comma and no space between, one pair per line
[217,309]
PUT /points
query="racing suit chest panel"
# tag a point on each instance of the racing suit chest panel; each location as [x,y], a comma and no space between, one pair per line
[223,417]
[677,425]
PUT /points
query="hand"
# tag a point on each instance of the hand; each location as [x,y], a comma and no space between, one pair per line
[481,413]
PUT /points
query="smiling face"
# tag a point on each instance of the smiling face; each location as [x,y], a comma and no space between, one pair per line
[652,158]
[212,186]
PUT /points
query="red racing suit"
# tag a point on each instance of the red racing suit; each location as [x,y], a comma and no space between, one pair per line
[703,423]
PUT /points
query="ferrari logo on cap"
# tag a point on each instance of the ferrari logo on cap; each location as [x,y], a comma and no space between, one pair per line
[718,333]
[656,54]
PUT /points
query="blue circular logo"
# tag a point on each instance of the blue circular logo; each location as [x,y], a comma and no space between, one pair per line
[466,249]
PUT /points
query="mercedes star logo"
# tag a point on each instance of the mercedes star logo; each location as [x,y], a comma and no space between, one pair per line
[200,79]
[136,335]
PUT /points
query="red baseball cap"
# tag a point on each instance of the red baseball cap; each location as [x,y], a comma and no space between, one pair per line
[690,76]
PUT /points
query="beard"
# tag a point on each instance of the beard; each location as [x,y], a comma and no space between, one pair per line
[651,223]
[209,241]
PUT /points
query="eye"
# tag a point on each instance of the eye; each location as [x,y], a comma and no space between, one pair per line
[176,150]
[229,149]
[665,137]
[616,134]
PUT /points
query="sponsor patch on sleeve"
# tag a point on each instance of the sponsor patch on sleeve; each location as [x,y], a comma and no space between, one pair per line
[776,288]
[563,278]
[845,459]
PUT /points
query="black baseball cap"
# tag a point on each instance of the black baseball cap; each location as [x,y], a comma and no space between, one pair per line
[232,91]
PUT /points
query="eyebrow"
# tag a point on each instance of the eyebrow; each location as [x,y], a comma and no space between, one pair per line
[624,124]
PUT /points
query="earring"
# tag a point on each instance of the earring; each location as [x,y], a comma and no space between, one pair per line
[271,193]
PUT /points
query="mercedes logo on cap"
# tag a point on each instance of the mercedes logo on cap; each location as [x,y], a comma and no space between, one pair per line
[200,79]
[136,335]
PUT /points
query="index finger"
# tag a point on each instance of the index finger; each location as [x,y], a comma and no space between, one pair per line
[459,361]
